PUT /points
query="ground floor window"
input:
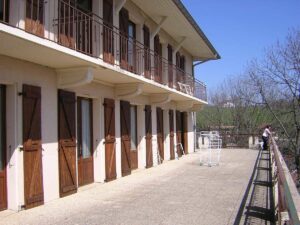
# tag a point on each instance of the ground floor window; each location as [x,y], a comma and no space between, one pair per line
[133,116]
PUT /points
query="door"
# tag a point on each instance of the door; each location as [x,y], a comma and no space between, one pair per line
[34,21]
[67,142]
[160,133]
[148,126]
[147,55]
[184,117]
[125,138]
[85,141]
[123,25]
[110,139]
[32,147]
[4,10]
[171,123]
[108,32]
[157,59]
[179,133]
[3,187]
[170,66]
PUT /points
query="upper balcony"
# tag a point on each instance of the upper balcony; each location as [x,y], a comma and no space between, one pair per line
[71,30]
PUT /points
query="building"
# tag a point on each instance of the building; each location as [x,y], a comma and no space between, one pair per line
[91,90]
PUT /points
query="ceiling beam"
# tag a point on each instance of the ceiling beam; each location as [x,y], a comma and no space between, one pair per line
[178,46]
[119,6]
[157,29]
[75,77]
[160,98]
[128,90]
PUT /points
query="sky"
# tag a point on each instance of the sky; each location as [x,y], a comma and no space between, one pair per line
[240,30]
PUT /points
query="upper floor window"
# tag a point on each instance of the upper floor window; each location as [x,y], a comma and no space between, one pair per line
[4,10]
[34,22]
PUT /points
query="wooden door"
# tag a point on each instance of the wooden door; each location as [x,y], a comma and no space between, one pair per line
[147,55]
[110,139]
[3,187]
[85,141]
[171,123]
[178,71]
[108,32]
[67,142]
[157,59]
[4,10]
[160,132]
[125,138]
[123,25]
[178,133]
[148,126]
[184,117]
[34,21]
[170,66]
[32,147]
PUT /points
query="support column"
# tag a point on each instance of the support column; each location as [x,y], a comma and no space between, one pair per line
[141,136]
[118,138]
[166,134]
[154,136]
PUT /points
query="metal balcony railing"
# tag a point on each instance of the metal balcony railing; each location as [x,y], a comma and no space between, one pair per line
[89,34]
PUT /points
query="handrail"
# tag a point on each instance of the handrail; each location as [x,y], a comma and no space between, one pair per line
[286,198]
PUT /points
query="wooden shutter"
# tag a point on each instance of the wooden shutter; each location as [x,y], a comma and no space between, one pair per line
[170,65]
[171,123]
[125,137]
[178,132]
[123,25]
[108,34]
[148,126]
[184,117]
[147,56]
[3,175]
[160,132]
[110,140]
[67,142]
[32,146]
[34,22]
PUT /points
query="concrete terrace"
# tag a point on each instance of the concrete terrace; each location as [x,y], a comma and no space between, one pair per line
[176,192]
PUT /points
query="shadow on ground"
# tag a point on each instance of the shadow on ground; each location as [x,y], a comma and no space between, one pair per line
[257,204]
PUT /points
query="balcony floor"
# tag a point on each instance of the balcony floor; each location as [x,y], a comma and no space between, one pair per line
[176,192]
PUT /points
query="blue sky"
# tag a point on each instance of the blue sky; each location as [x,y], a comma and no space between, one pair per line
[240,30]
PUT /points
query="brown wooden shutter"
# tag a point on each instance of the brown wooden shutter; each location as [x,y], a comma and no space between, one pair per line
[108,34]
[148,126]
[184,116]
[125,137]
[110,139]
[178,132]
[3,175]
[123,25]
[34,22]
[147,56]
[160,132]
[171,123]
[67,142]
[32,146]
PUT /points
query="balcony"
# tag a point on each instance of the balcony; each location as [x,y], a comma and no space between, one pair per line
[87,33]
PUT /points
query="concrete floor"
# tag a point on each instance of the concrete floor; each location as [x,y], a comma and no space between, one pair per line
[176,192]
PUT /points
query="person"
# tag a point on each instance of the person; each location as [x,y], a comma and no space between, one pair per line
[265,137]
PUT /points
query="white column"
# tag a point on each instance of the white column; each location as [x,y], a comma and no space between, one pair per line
[190,128]
[12,147]
[118,138]
[17,9]
[154,136]
[141,136]
[98,133]
[166,134]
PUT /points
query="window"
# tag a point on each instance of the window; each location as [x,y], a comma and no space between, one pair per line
[133,124]
[131,46]
[4,7]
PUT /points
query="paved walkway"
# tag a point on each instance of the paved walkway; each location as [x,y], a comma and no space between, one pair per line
[176,192]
